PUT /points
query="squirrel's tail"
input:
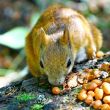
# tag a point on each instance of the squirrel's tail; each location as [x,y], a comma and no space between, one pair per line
[97,35]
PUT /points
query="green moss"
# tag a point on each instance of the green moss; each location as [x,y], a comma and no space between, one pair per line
[77,90]
[37,107]
[104,49]
[25,97]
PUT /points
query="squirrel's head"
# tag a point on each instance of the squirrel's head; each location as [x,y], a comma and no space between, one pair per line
[56,57]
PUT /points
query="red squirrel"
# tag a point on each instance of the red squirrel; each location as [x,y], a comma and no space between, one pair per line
[59,38]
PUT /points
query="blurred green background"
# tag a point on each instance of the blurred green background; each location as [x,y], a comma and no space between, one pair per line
[17,18]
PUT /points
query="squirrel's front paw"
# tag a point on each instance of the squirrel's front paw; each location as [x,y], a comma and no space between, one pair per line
[91,54]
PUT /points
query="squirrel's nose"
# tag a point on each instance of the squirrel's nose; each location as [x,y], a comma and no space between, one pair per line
[57,82]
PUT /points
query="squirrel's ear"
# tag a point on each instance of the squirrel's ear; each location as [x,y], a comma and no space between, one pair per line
[43,37]
[65,38]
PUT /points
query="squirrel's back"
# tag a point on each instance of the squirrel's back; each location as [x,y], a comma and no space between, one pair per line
[56,17]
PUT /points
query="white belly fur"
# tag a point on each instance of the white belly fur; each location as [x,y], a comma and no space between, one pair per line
[81,56]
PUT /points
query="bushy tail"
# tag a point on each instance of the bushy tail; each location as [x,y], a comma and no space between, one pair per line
[97,35]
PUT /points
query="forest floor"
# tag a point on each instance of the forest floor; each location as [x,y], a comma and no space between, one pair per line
[35,93]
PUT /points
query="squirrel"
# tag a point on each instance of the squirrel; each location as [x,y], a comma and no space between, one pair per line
[61,37]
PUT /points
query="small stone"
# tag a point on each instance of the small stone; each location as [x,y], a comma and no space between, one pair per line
[50,106]
[104,74]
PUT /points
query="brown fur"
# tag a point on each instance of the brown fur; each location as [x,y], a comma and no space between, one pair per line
[58,35]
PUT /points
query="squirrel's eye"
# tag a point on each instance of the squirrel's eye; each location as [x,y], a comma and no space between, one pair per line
[41,64]
[68,63]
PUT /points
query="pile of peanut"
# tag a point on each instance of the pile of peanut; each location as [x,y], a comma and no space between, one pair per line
[96,92]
